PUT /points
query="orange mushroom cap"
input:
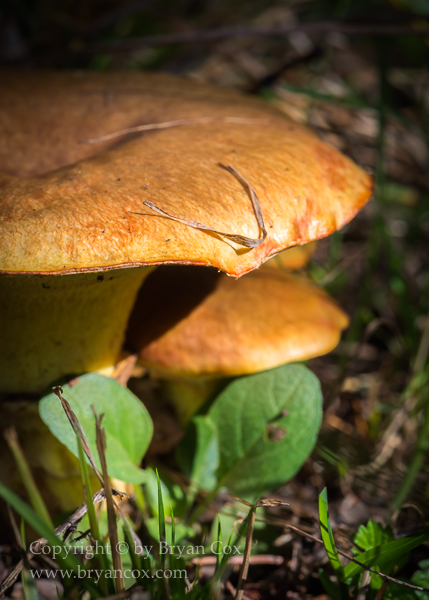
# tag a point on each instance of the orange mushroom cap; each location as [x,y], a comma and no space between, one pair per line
[83,217]
[45,115]
[195,322]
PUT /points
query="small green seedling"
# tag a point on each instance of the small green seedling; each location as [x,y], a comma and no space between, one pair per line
[381,557]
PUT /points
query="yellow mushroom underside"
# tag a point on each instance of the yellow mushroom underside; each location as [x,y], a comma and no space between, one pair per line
[57,326]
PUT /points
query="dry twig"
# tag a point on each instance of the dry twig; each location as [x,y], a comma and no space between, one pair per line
[238,239]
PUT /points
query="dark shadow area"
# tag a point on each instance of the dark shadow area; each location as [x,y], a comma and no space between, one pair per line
[168,295]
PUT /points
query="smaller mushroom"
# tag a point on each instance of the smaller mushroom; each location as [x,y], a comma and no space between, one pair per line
[193,327]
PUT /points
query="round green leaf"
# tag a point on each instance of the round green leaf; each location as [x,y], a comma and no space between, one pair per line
[127,423]
[266,427]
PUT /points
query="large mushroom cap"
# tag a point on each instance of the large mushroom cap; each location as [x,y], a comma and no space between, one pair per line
[82,217]
[45,115]
[195,322]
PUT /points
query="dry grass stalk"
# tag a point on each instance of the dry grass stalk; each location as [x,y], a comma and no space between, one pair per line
[111,514]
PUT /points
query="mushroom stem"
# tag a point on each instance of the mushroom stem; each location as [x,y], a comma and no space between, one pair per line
[60,325]
[188,395]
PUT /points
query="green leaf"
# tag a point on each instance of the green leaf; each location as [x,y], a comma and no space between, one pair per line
[198,453]
[329,586]
[421,578]
[395,591]
[328,536]
[371,535]
[127,423]
[387,553]
[266,427]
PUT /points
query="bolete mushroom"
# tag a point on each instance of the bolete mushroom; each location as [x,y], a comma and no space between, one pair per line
[191,327]
[77,242]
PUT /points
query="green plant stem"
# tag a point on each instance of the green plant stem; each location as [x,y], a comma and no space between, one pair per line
[27,477]
[417,384]
[416,463]
[93,523]
[162,537]
[219,540]
[246,557]
[423,351]
[28,585]
[202,507]
[111,515]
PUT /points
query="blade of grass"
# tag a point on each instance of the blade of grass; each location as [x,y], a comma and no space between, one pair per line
[162,537]
[138,564]
[136,559]
[419,389]
[328,536]
[161,518]
[28,583]
[111,515]
[225,557]
[15,529]
[106,585]
[219,542]
[416,462]
[173,528]
[329,586]
[329,544]
[34,495]
[247,550]
[139,499]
